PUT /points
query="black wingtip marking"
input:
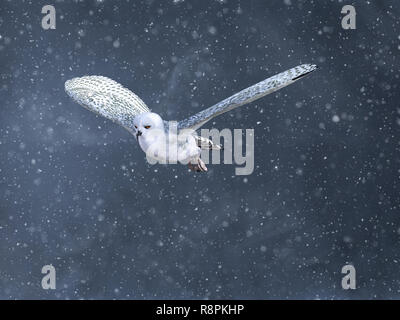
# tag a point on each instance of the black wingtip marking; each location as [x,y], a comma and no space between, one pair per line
[301,76]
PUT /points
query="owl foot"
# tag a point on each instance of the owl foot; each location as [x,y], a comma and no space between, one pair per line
[200,166]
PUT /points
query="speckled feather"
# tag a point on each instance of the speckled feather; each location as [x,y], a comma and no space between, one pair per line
[107,98]
[245,96]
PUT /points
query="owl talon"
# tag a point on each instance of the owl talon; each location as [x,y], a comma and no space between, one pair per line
[198,167]
[202,165]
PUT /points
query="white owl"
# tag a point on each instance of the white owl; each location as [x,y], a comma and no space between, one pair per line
[111,100]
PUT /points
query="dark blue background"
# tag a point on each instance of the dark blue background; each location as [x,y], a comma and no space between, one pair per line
[76,190]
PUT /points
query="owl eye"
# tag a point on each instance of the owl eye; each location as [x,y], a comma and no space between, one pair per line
[147,127]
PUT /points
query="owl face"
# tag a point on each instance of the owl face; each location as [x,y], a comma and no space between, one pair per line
[148,127]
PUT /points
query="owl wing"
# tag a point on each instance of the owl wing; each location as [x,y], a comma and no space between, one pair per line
[245,96]
[107,98]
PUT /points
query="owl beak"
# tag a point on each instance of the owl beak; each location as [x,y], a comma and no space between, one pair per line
[138,134]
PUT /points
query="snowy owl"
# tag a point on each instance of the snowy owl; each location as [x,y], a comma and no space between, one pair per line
[113,101]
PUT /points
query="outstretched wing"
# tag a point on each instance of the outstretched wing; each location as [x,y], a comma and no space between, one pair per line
[247,95]
[107,98]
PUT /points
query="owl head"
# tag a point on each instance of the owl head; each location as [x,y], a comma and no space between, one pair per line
[148,128]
